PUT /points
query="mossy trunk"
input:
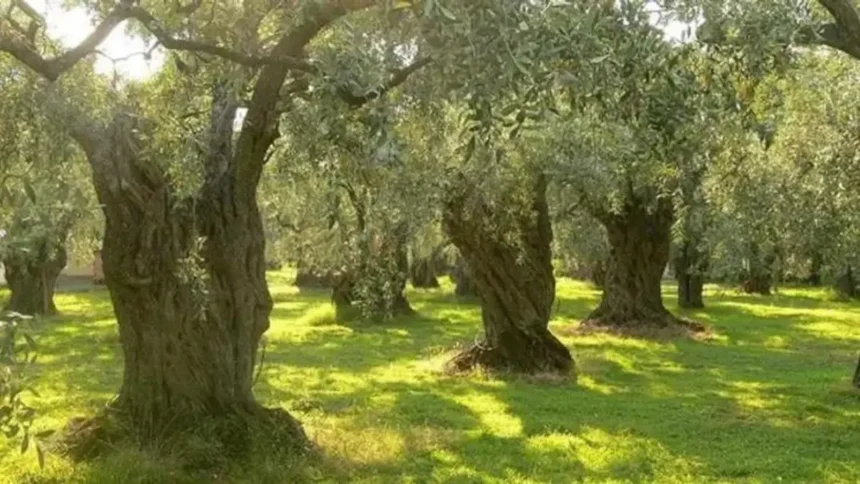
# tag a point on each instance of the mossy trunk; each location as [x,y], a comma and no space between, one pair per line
[32,277]
[515,284]
[639,240]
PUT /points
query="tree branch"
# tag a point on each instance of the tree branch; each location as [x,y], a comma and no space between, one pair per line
[190,45]
[844,33]
[846,17]
[398,77]
[260,128]
[53,68]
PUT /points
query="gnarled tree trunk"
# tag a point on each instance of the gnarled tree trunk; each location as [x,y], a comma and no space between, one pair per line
[639,240]
[187,279]
[690,265]
[32,277]
[515,284]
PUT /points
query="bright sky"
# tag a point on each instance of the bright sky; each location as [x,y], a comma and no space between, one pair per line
[71,26]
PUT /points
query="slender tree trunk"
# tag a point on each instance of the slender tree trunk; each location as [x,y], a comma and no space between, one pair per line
[690,265]
[32,278]
[632,298]
[515,284]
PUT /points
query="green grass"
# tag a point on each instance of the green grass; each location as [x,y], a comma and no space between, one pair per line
[767,400]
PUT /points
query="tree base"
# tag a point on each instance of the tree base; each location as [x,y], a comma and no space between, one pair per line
[658,325]
[553,361]
[202,443]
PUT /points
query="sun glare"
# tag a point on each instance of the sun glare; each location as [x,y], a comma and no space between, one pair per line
[119,54]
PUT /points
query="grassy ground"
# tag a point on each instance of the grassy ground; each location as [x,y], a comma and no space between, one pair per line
[767,400]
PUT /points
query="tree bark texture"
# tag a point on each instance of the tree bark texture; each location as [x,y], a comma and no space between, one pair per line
[32,277]
[515,284]
[690,266]
[187,279]
[639,241]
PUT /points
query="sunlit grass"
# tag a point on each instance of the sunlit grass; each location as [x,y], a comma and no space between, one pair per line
[766,400]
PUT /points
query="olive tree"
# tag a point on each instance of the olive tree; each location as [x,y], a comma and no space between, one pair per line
[184,259]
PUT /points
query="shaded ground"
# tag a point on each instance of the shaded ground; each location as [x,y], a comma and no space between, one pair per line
[768,400]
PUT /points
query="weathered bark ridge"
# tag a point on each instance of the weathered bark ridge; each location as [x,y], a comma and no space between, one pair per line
[515,284]
[632,301]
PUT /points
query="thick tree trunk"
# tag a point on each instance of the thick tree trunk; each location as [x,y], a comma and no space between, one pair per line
[632,298]
[32,278]
[187,279]
[515,284]
[422,273]
[690,265]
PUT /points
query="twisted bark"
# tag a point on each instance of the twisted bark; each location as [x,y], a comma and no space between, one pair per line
[515,284]
[632,300]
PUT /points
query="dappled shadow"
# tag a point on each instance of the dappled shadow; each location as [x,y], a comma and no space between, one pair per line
[767,398]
